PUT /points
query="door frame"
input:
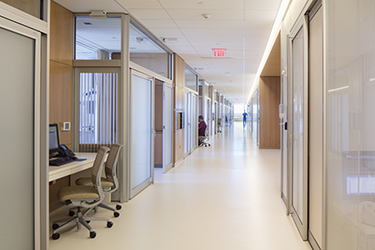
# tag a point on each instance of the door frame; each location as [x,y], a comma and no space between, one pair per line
[302,226]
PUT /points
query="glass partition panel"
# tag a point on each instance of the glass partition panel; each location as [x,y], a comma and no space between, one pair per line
[32,7]
[97,39]
[298,122]
[187,122]
[168,123]
[98,107]
[350,140]
[191,79]
[141,126]
[146,53]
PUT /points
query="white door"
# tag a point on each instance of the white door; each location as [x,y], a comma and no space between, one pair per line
[20,52]
[167,128]
[141,132]
[298,135]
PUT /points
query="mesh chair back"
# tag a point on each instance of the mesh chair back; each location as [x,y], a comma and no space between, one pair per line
[111,164]
[97,170]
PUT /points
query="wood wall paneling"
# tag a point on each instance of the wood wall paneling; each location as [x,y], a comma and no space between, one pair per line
[61,98]
[179,104]
[61,80]
[159,94]
[158,150]
[55,187]
[61,34]
[269,89]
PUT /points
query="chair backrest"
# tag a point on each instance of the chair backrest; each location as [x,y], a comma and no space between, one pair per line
[97,169]
[111,165]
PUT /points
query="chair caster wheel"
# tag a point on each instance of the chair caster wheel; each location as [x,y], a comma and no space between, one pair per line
[92,234]
[55,226]
[55,236]
[71,213]
[87,221]
[116,214]
[109,224]
[118,207]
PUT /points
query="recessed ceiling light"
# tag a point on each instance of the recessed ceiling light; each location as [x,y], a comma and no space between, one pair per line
[227,73]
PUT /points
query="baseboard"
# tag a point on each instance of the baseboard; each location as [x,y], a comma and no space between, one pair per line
[179,162]
[314,245]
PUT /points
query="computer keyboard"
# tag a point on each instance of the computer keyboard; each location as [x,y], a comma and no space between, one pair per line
[60,161]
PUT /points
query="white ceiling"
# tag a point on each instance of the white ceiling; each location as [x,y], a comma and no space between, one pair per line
[197,36]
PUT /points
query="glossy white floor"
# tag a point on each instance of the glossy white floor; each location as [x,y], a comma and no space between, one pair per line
[222,197]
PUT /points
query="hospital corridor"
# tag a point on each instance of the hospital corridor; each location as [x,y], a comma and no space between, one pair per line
[222,197]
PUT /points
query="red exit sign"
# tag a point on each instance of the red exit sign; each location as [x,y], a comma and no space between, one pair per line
[219,52]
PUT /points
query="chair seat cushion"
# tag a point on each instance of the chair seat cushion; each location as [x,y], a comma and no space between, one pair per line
[87,182]
[77,192]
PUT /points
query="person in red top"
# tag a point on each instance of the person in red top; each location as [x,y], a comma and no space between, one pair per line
[201,128]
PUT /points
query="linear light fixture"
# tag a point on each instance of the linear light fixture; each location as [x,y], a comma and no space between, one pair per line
[275,30]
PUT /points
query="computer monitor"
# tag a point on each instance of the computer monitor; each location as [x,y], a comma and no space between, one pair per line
[54,142]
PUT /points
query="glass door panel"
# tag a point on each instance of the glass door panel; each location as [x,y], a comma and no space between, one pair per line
[299,133]
[187,123]
[168,128]
[19,191]
[142,132]
[192,121]
[97,112]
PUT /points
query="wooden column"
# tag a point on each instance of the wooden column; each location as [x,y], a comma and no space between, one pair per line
[269,98]
[61,80]
[179,104]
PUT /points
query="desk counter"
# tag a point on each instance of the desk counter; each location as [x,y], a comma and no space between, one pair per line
[57,172]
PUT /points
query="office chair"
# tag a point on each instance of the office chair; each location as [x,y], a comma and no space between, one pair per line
[204,139]
[83,197]
[110,182]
